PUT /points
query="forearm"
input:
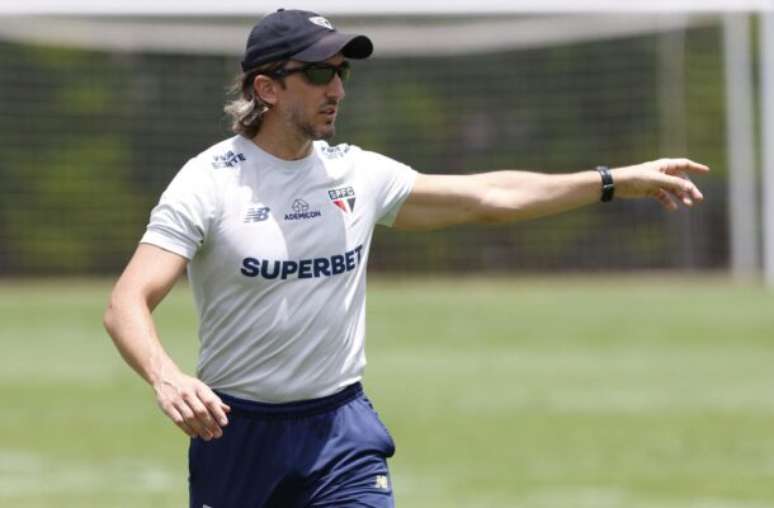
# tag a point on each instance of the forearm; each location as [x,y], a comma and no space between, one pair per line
[188,402]
[128,321]
[504,196]
[518,195]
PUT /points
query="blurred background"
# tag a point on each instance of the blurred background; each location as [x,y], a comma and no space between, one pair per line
[618,356]
[99,112]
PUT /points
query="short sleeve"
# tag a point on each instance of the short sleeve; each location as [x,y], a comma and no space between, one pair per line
[181,220]
[393,183]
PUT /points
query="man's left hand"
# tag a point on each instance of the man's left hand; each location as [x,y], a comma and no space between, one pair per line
[665,180]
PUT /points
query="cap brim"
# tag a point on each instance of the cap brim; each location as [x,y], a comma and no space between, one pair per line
[351,46]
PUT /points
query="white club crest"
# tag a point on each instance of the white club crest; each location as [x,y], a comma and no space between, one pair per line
[320,21]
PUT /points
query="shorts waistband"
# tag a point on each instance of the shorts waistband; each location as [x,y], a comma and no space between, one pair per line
[297,409]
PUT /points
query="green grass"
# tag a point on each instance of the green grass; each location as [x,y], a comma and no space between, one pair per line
[586,392]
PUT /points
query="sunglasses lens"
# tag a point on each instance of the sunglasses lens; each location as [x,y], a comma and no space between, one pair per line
[323,74]
[319,75]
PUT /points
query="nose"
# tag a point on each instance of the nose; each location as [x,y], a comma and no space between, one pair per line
[335,88]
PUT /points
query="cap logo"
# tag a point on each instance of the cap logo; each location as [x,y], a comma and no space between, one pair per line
[320,21]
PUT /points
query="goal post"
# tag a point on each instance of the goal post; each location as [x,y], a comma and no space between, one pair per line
[767,100]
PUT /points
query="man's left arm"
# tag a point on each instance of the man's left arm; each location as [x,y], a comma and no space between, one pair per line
[506,196]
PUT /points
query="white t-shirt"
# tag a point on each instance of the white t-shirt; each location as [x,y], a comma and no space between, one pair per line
[278,253]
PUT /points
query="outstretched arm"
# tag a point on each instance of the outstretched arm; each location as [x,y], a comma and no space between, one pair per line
[188,402]
[505,196]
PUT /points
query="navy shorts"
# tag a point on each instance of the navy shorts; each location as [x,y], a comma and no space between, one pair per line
[328,452]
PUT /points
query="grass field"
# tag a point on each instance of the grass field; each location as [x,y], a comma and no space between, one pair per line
[533,393]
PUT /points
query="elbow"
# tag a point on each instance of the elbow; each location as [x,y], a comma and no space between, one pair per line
[499,205]
[490,208]
[109,318]
[490,211]
[122,307]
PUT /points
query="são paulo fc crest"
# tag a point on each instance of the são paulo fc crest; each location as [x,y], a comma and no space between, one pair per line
[344,198]
[320,21]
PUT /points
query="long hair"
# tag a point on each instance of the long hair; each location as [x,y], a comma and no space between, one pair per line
[246,109]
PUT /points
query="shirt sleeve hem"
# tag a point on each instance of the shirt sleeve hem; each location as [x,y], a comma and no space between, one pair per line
[159,240]
[389,218]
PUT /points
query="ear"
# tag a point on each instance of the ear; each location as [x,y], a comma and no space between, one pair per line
[265,89]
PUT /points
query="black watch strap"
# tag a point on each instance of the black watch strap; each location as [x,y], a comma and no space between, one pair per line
[608,187]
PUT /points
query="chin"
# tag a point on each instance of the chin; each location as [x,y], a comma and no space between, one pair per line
[326,133]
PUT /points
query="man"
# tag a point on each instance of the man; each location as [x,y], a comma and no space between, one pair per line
[274,227]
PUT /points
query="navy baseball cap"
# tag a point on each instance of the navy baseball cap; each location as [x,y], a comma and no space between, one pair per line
[300,35]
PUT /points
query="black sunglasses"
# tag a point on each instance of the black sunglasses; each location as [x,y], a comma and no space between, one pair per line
[317,73]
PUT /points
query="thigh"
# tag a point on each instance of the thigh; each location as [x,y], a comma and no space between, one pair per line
[352,469]
[240,469]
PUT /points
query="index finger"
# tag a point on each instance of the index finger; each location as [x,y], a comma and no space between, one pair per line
[216,407]
[201,419]
[677,185]
[218,410]
[687,165]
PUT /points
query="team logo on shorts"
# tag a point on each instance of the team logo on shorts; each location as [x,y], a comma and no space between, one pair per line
[344,198]
[382,482]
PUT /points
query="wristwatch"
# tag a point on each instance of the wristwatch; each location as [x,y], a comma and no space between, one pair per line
[608,187]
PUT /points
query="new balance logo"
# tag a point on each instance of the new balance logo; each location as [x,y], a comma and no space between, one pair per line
[227,160]
[257,214]
[382,482]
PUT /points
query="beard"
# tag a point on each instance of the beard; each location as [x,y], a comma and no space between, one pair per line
[309,129]
[326,132]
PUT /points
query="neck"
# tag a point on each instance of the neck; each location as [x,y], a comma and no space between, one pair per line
[282,143]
